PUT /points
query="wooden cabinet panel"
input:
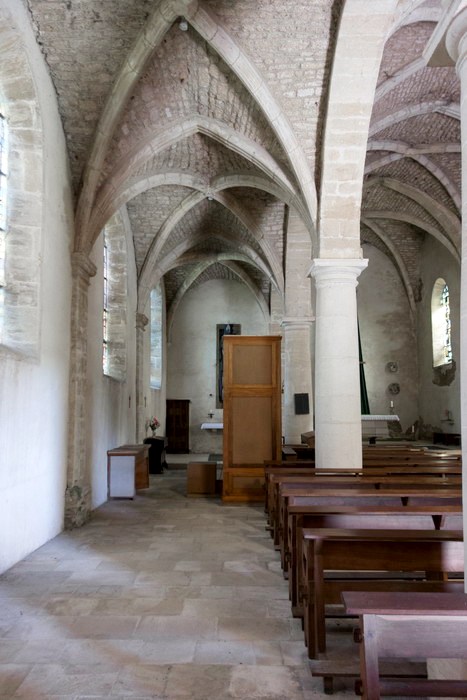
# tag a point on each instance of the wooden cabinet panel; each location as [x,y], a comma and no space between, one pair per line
[252,413]
[178,425]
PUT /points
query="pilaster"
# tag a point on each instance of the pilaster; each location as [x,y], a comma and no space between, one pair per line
[141,323]
[78,488]
[297,376]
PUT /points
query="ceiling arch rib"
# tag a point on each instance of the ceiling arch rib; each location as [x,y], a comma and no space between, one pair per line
[159,22]
[183,251]
[136,186]
[415,110]
[153,255]
[195,124]
[401,266]
[195,274]
[405,72]
[447,220]
[415,221]
[418,155]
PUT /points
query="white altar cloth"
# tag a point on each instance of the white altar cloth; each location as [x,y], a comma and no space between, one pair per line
[212,426]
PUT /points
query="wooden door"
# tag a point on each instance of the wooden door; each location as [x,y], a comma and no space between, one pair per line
[177,427]
[252,413]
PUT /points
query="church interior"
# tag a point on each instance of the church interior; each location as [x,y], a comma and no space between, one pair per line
[173,172]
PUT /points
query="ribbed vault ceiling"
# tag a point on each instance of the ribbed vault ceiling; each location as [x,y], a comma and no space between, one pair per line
[197,161]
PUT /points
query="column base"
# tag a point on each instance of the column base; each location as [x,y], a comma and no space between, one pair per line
[77,506]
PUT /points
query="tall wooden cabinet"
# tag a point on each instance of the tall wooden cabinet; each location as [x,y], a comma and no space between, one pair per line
[177,426]
[252,413]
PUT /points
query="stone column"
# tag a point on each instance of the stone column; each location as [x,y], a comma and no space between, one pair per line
[78,488]
[141,323]
[338,430]
[297,377]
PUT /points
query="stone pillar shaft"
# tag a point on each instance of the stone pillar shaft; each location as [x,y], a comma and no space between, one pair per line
[297,377]
[141,323]
[78,488]
[338,431]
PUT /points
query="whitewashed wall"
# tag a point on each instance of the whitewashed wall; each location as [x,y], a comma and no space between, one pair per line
[387,331]
[34,394]
[192,350]
[111,404]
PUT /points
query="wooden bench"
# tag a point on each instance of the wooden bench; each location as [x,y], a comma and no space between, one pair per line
[361,493]
[406,625]
[378,517]
[362,559]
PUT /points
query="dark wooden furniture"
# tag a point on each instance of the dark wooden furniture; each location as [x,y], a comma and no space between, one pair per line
[407,625]
[201,478]
[127,470]
[353,552]
[177,428]
[252,413]
[157,447]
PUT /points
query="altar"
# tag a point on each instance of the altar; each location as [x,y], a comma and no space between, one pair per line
[212,426]
[376,426]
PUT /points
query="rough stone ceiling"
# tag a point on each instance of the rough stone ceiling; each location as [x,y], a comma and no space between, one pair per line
[189,130]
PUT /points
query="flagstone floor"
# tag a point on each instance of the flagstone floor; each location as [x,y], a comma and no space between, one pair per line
[164,597]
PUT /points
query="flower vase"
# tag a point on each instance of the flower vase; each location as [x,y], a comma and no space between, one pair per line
[154,432]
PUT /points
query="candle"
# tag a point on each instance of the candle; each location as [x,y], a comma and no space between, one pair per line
[392,404]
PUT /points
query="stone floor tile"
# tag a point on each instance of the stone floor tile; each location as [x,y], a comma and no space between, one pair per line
[226,653]
[161,598]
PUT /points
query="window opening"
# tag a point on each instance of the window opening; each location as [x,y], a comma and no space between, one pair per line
[105,311]
[441,324]
[447,324]
[3,212]
[156,338]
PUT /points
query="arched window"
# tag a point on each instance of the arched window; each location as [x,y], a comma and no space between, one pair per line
[156,338]
[115,298]
[441,324]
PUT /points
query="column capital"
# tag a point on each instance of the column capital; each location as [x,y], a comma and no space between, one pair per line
[82,266]
[141,321]
[333,271]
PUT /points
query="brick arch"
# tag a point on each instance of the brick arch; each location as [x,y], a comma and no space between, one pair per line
[445,217]
[20,102]
[397,150]
[152,258]
[416,110]
[212,128]
[400,265]
[161,19]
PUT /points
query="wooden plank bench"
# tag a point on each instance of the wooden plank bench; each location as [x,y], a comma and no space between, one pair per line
[356,555]
[402,625]
[399,494]
[378,517]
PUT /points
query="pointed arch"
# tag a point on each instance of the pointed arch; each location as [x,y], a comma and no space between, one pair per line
[161,19]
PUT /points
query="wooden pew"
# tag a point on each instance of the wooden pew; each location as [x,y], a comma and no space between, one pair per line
[378,517]
[406,625]
[275,473]
[395,494]
[357,552]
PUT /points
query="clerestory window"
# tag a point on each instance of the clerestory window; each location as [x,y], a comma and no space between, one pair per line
[156,338]
[3,212]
